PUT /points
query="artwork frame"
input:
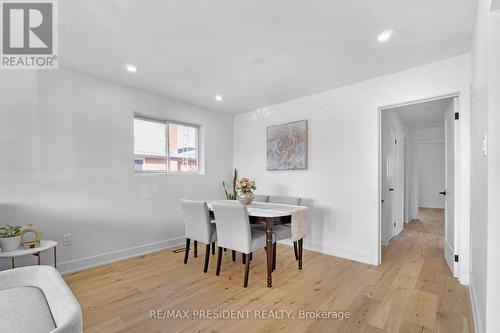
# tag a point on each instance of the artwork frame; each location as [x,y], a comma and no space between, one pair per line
[293,136]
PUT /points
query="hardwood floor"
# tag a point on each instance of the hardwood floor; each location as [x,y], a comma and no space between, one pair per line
[412,291]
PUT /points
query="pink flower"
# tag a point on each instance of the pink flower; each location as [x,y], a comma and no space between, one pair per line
[245,184]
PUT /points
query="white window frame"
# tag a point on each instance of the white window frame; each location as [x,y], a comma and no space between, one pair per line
[167,122]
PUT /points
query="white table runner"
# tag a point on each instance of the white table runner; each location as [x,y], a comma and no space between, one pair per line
[299,216]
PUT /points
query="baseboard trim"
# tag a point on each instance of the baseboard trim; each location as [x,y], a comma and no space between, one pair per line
[478,325]
[73,266]
[78,265]
[345,253]
[431,206]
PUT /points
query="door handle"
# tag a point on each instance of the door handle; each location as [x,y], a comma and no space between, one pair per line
[443,193]
[391,189]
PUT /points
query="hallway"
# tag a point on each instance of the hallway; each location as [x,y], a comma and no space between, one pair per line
[420,293]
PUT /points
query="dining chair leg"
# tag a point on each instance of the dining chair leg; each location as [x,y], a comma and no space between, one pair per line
[196,249]
[247,269]
[250,256]
[274,256]
[207,257]
[295,250]
[234,255]
[301,241]
[225,249]
[219,260]
[186,254]
[243,258]
[213,248]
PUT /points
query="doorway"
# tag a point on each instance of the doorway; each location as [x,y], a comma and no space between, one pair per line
[418,163]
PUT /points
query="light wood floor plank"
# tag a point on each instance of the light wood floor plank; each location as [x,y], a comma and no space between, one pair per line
[412,291]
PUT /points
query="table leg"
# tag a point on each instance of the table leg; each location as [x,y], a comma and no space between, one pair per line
[55,257]
[301,241]
[12,262]
[269,250]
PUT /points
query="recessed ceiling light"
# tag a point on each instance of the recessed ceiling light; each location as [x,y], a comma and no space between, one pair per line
[131,68]
[385,36]
[218,98]
[258,61]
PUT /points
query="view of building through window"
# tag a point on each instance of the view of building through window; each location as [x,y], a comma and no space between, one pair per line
[151,142]
[182,142]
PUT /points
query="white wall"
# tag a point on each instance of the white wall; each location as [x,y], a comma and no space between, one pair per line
[410,202]
[429,133]
[429,169]
[419,135]
[66,165]
[431,172]
[341,185]
[479,165]
[493,303]
[485,170]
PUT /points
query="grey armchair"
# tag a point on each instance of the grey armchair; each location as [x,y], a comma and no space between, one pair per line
[36,299]
[198,228]
[234,232]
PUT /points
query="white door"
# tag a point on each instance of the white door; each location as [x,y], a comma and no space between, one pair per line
[392,184]
[388,179]
[450,235]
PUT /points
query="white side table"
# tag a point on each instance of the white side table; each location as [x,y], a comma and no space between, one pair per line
[45,245]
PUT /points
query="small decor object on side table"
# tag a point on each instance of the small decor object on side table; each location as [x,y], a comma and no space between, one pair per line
[10,237]
[31,244]
[245,187]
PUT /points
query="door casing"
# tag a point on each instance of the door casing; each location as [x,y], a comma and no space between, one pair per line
[462,223]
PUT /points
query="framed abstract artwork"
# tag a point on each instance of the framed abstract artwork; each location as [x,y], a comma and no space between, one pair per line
[287,146]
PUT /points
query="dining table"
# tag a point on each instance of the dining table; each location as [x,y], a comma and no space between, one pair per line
[269,218]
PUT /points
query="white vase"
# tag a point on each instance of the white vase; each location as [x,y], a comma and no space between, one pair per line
[10,244]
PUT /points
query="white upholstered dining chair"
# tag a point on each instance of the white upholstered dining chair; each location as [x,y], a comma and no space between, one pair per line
[234,233]
[261,198]
[198,228]
[277,199]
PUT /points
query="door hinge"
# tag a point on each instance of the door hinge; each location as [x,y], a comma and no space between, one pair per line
[456,116]
[456,257]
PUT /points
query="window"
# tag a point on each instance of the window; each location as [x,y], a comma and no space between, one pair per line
[164,146]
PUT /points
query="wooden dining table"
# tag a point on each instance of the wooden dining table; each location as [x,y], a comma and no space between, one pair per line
[269,218]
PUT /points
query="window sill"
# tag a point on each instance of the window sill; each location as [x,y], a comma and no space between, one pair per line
[171,173]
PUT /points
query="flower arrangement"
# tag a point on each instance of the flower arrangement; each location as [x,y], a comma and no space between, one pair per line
[245,185]
[231,194]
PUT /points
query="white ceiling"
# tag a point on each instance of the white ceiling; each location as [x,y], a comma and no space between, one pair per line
[192,50]
[425,114]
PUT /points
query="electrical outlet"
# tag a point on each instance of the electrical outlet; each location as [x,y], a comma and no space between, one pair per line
[67,239]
